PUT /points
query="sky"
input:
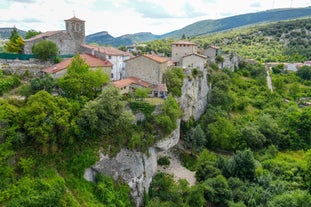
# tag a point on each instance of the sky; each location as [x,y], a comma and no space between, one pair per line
[120,17]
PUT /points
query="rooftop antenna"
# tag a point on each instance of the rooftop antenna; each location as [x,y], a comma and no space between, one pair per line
[74,13]
[291,3]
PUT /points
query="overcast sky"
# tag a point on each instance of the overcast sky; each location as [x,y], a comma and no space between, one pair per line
[119,17]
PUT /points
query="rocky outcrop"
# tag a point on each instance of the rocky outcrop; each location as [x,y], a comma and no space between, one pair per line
[193,101]
[137,168]
[132,167]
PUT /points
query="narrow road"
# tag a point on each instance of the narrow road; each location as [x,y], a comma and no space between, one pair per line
[269,81]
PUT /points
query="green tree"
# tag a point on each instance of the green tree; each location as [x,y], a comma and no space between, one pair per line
[111,193]
[15,44]
[106,116]
[47,120]
[31,33]
[46,83]
[142,93]
[174,80]
[195,138]
[167,120]
[304,72]
[45,50]
[221,134]
[217,191]
[80,81]
[243,163]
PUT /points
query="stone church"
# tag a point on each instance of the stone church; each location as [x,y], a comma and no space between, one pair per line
[68,41]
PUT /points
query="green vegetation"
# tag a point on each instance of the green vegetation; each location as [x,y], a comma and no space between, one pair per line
[45,50]
[174,79]
[251,147]
[8,82]
[31,33]
[15,44]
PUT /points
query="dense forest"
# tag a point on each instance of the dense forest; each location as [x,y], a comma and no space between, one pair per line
[250,148]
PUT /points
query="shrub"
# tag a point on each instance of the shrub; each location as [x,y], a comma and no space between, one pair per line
[164,161]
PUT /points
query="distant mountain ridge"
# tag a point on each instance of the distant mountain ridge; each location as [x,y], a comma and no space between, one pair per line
[203,27]
[5,33]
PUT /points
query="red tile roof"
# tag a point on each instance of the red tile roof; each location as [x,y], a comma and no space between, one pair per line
[202,56]
[42,35]
[108,50]
[130,80]
[182,42]
[152,57]
[89,59]
[214,47]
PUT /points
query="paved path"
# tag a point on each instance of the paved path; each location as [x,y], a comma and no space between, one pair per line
[176,169]
[269,81]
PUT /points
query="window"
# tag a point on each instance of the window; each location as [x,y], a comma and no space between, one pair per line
[109,57]
[111,75]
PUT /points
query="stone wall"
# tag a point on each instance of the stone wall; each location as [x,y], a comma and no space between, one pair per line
[20,67]
[145,69]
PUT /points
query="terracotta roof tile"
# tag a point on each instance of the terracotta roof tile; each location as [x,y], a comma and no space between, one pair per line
[182,42]
[130,80]
[108,50]
[89,59]
[214,47]
[152,57]
[195,54]
[45,34]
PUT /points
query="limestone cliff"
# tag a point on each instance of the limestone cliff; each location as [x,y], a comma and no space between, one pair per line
[193,101]
[136,168]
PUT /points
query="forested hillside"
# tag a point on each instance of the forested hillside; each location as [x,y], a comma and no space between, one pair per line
[252,146]
[282,41]
[285,41]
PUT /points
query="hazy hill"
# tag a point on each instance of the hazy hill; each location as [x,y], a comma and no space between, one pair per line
[211,26]
[5,33]
[103,38]
[205,26]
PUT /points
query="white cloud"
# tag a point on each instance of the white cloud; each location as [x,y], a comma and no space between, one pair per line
[120,17]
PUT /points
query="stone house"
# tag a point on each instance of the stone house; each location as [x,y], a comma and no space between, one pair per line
[115,56]
[182,48]
[211,52]
[60,69]
[129,84]
[68,41]
[194,61]
[149,68]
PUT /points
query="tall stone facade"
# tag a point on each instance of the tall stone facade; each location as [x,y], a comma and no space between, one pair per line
[68,41]
[181,49]
[149,68]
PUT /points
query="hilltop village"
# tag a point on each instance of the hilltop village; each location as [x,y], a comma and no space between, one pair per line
[196,127]
[124,69]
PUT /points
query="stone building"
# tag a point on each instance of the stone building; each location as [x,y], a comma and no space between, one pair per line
[211,52]
[68,41]
[60,69]
[194,61]
[115,56]
[181,49]
[130,84]
[149,68]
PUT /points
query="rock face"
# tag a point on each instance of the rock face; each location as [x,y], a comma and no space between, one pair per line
[134,168]
[193,101]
